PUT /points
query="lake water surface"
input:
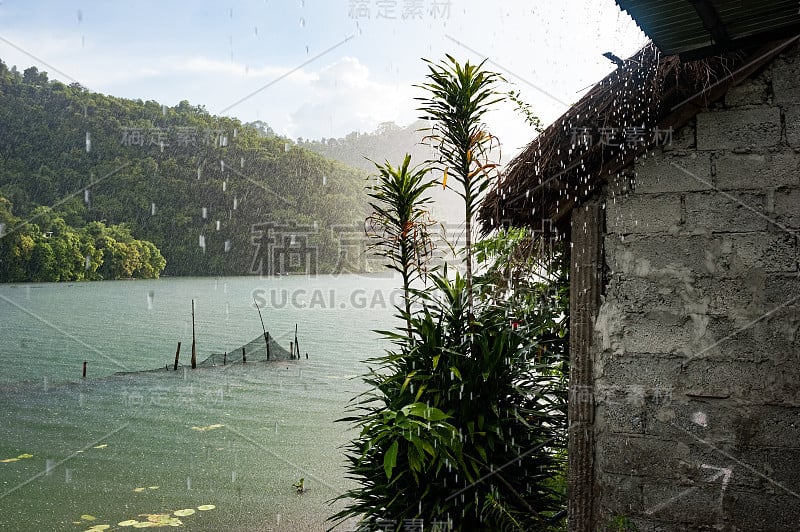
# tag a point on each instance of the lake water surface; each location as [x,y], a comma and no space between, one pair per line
[118,447]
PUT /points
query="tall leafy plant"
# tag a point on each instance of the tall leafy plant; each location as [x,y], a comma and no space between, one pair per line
[399,223]
[465,416]
[458,97]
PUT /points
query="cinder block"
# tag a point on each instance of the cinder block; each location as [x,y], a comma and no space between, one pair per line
[640,295]
[782,290]
[785,81]
[750,92]
[757,510]
[619,494]
[745,128]
[752,382]
[660,332]
[695,504]
[721,212]
[655,256]
[673,174]
[650,372]
[770,252]
[757,171]
[787,208]
[638,455]
[791,113]
[623,414]
[643,213]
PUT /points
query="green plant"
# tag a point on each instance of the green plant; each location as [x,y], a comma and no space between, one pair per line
[458,97]
[399,223]
[465,418]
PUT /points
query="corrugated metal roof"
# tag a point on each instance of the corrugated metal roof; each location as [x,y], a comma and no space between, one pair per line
[687,27]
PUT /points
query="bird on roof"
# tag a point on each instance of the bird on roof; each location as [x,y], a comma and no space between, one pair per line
[614,59]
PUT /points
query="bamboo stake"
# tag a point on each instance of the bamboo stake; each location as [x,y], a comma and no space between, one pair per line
[84,369]
[177,354]
[263,328]
[296,343]
[244,356]
[194,346]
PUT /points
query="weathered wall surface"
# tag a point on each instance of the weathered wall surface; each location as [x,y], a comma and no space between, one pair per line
[697,348]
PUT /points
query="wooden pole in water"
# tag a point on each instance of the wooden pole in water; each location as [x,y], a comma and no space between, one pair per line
[263,328]
[177,354]
[84,369]
[244,356]
[291,350]
[296,343]
[194,346]
[225,358]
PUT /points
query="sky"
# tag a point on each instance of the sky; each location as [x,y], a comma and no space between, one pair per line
[314,68]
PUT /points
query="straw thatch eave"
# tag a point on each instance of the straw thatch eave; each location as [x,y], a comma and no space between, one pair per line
[656,93]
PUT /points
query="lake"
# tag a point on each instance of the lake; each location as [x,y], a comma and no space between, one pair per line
[220,445]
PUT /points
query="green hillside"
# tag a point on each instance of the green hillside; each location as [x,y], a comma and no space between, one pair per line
[214,195]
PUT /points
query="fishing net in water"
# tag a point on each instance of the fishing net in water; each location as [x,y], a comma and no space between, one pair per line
[253,351]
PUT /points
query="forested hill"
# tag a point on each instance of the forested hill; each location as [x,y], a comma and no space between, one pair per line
[214,195]
[390,142]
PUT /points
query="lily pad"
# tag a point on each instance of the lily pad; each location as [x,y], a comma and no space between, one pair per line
[98,528]
[184,513]
[25,455]
[144,524]
[138,490]
[129,522]
[87,517]
[206,507]
[208,427]
[152,487]
[7,460]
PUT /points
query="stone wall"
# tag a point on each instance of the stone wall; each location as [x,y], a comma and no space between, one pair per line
[697,348]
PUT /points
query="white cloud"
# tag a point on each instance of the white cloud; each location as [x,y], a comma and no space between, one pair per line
[345,97]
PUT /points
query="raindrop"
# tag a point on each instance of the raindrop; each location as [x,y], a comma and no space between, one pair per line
[152,209]
[199,171]
[285,146]
[302,22]
[227,246]
[324,180]
[218,225]
[235,203]
[203,242]
[205,213]
[221,165]
[224,186]
[241,162]
[86,196]
[80,16]
[150,296]
[255,31]
[87,263]
[88,142]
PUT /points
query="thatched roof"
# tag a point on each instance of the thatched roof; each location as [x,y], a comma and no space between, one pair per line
[563,165]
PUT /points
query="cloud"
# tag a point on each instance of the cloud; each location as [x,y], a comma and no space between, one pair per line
[345,97]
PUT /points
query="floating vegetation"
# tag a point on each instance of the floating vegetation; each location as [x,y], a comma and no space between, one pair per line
[149,520]
[17,459]
[101,446]
[208,427]
[140,490]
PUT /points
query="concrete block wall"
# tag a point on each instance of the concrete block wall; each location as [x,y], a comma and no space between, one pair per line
[697,357]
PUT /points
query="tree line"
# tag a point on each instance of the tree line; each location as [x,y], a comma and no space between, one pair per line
[200,188]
